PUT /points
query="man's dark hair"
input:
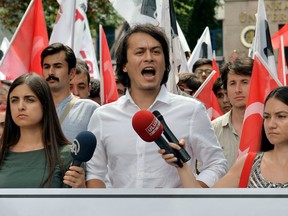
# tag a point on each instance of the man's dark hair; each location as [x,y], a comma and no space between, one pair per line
[121,51]
[82,67]
[191,80]
[242,65]
[56,48]
[217,85]
[95,88]
[200,62]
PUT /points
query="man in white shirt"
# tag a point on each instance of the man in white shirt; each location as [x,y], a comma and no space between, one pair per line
[143,66]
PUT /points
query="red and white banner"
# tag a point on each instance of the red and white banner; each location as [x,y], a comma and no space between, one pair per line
[261,84]
[108,84]
[72,29]
[27,43]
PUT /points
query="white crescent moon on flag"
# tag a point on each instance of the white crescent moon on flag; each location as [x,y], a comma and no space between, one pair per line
[254,108]
[38,44]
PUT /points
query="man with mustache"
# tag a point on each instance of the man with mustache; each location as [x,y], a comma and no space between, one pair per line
[58,63]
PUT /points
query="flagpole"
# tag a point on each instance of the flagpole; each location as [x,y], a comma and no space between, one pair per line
[100,64]
[281,49]
[73,26]
[18,27]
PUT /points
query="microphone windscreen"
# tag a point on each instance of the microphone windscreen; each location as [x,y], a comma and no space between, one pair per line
[83,146]
[147,126]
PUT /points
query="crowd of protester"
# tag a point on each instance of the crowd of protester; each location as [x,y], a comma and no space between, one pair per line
[40,116]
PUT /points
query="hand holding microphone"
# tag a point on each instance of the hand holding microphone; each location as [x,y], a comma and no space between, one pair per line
[82,150]
[149,128]
[182,153]
[83,147]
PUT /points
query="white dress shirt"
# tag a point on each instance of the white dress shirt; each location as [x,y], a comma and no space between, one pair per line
[133,163]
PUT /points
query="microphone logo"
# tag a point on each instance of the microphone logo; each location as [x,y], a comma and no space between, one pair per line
[153,127]
[75,148]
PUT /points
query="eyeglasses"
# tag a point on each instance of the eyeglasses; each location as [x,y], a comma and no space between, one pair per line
[201,71]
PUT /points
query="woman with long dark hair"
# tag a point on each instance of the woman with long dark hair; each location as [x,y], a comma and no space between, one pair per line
[34,152]
[269,168]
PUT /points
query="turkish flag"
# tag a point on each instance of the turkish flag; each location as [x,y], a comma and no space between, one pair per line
[108,84]
[215,67]
[29,39]
[280,42]
[275,38]
[206,96]
[282,64]
[261,84]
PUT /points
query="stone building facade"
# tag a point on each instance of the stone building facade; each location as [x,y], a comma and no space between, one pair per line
[239,22]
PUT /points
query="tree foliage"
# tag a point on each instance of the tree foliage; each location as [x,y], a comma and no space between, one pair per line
[183,10]
[202,15]
[98,12]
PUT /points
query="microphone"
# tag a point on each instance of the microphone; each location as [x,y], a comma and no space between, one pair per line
[83,147]
[182,153]
[150,129]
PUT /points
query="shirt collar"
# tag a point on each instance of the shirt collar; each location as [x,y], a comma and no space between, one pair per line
[162,97]
[66,100]
[227,119]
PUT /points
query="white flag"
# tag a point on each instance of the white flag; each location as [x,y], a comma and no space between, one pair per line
[72,29]
[203,49]
[262,40]
[139,12]
[182,39]
[4,45]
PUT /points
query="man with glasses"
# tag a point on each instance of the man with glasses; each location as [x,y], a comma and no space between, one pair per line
[202,68]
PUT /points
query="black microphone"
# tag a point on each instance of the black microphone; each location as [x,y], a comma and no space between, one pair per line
[83,147]
[149,128]
[182,153]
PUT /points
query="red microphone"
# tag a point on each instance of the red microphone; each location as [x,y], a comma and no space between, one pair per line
[150,129]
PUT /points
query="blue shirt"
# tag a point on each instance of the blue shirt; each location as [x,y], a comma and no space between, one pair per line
[78,117]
